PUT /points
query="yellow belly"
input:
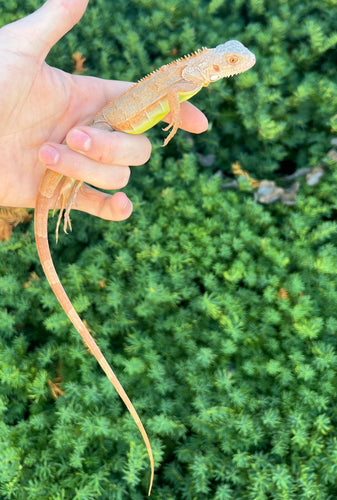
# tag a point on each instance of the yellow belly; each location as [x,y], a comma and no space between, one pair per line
[154,113]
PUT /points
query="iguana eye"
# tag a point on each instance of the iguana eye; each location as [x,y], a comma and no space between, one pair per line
[232,59]
[216,67]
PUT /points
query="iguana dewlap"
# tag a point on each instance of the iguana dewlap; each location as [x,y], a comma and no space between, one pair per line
[135,111]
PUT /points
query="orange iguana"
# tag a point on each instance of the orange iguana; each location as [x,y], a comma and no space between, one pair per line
[135,111]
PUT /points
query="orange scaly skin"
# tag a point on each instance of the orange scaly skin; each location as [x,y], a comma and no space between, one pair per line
[135,111]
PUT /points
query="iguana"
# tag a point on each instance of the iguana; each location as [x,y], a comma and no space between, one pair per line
[136,110]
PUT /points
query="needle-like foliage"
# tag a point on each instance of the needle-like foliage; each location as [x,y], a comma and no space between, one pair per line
[217,313]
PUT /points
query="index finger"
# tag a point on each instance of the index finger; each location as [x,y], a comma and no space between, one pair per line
[193,120]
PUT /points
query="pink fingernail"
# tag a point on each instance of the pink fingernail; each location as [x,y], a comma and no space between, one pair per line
[49,155]
[127,205]
[79,140]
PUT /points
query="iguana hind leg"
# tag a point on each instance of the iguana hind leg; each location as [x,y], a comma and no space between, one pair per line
[67,192]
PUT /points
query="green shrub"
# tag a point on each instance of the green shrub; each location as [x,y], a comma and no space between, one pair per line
[217,313]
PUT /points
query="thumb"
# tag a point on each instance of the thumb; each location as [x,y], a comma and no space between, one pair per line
[44,27]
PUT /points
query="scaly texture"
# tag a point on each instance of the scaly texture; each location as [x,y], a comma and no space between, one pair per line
[135,111]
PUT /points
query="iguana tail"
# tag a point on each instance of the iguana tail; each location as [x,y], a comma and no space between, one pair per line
[49,186]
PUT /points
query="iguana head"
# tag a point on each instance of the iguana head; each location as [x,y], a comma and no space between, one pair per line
[231,58]
[225,60]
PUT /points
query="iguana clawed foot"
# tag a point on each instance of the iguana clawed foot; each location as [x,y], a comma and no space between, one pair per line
[68,190]
[175,124]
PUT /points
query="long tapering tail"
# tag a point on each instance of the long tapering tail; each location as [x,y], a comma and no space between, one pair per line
[47,191]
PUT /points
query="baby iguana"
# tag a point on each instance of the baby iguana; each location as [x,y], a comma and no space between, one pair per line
[136,110]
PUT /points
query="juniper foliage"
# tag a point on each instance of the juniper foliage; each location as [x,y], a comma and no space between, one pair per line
[217,313]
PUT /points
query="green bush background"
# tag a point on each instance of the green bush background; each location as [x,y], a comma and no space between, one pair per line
[217,313]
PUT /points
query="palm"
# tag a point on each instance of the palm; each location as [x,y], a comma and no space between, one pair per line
[41,107]
[33,112]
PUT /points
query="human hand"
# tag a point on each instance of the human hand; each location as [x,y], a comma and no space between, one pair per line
[43,114]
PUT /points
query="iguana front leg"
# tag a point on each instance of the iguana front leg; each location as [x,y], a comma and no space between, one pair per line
[175,118]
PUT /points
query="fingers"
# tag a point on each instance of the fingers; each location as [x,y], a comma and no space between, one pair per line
[44,27]
[107,147]
[193,120]
[116,207]
[98,157]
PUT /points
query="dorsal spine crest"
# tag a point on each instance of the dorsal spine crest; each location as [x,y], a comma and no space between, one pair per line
[173,63]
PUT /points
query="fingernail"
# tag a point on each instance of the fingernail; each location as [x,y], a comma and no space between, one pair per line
[79,140]
[127,205]
[49,155]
